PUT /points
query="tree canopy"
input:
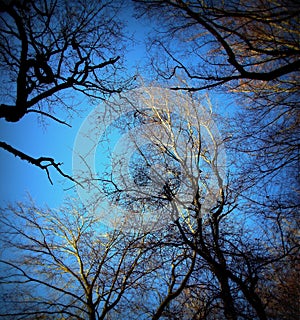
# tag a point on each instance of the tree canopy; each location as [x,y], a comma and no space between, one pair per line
[188,208]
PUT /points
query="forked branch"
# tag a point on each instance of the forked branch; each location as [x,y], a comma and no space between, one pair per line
[42,162]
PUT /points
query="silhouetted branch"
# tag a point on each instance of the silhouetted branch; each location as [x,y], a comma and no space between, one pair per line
[42,162]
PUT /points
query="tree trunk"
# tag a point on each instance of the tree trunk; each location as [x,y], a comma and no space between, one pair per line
[229,309]
[91,307]
[92,313]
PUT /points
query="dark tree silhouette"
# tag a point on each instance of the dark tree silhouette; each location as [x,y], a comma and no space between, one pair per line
[236,243]
[51,48]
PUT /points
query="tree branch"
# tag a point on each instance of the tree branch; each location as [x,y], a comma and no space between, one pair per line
[50,116]
[42,162]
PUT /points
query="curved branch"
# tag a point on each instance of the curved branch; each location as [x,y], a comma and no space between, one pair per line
[42,162]
[22,94]
[50,116]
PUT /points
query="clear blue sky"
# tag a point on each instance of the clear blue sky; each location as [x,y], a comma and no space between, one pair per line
[19,177]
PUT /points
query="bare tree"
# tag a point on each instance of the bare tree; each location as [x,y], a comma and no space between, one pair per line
[172,264]
[181,244]
[63,264]
[249,48]
[179,178]
[49,49]
[238,41]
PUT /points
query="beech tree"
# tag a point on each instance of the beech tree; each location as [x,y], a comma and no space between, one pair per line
[63,264]
[250,51]
[184,243]
[179,178]
[50,49]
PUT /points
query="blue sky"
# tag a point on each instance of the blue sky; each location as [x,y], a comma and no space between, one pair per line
[19,177]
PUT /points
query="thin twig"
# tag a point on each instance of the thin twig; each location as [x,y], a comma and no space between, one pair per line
[50,116]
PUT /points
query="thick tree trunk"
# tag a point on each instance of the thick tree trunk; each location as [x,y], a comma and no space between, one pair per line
[229,308]
[91,307]
[92,313]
